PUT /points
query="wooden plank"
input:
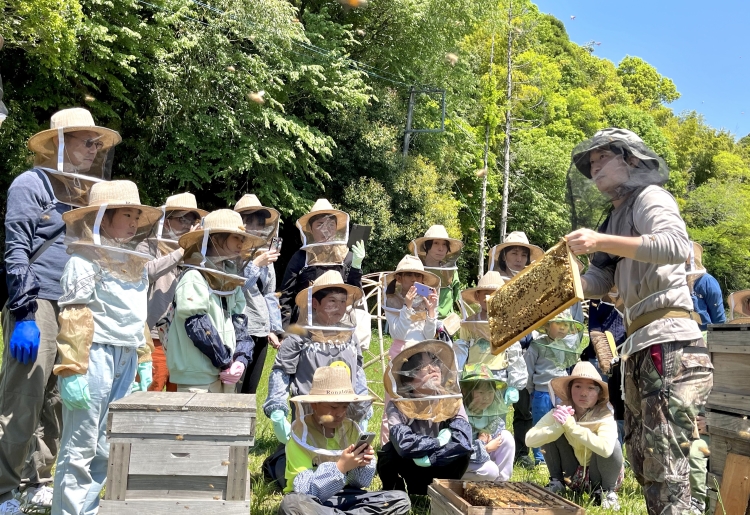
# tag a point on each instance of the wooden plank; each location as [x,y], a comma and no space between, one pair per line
[229,402]
[732,373]
[163,401]
[718,454]
[117,471]
[728,327]
[175,459]
[182,423]
[237,479]
[534,296]
[186,439]
[732,349]
[712,502]
[733,403]
[734,424]
[735,491]
[439,504]
[142,487]
[196,507]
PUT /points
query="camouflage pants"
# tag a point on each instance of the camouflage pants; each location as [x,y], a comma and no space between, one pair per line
[664,386]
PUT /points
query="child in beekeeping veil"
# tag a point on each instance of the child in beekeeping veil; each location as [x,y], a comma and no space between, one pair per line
[208,345]
[102,323]
[325,336]
[473,347]
[494,447]
[557,349]
[410,316]
[328,467]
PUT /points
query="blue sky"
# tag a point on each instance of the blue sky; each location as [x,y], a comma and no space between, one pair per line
[704,47]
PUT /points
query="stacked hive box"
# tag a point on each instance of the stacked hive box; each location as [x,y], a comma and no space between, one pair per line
[178,451]
[728,404]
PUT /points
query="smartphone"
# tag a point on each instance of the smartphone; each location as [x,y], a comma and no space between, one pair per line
[359,233]
[365,439]
[424,291]
[276,243]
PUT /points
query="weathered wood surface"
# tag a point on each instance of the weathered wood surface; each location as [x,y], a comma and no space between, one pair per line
[164,401]
[534,296]
[117,471]
[449,492]
[224,402]
[181,423]
[183,439]
[146,487]
[731,370]
[195,507]
[174,459]
[238,483]
[730,402]
[735,490]
[439,504]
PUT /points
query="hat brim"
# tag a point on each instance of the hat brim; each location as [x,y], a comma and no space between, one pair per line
[200,212]
[737,299]
[419,242]
[342,219]
[331,398]
[560,385]
[443,351]
[535,253]
[740,320]
[583,164]
[353,291]
[469,294]
[429,279]
[38,143]
[149,215]
[191,238]
[274,214]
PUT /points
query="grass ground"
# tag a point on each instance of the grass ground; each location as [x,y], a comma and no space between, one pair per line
[266,499]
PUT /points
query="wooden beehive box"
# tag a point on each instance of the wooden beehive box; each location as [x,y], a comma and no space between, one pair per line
[446,498]
[534,296]
[728,403]
[178,451]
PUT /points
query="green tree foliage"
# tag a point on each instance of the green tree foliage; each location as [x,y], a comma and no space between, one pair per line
[182,82]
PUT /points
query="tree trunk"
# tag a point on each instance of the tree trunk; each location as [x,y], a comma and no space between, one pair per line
[508,125]
[483,213]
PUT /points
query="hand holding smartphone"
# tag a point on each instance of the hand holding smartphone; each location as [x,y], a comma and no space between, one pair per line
[276,244]
[423,290]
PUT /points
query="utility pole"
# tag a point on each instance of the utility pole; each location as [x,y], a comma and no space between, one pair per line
[508,121]
[483,213]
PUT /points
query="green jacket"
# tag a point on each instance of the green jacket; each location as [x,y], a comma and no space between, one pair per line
[187,365]
[448,297]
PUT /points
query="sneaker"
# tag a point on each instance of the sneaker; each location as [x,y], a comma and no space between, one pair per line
[525,462]
[610,501]
[697,507]
[555,486]
[37,500]
[11,507]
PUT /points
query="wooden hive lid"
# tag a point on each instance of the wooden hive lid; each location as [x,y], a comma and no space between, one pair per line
[179,401]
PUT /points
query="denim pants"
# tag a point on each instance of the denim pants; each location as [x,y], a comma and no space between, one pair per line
[84,451]
[540,406]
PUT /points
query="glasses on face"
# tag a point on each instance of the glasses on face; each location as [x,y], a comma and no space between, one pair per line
[89,142]
[432,366]
[185,221]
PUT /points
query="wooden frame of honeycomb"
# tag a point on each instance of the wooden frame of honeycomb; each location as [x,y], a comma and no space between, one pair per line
[534,296]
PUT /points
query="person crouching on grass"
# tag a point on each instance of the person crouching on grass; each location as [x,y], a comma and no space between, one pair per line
[430,436]
[328,466]
[579,437]
[102,323]
[208,346]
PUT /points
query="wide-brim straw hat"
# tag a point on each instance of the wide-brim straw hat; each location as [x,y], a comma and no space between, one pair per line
[696,260]
[741,320]
[183,202]
[518,239]
[583,370]
[330,279]
[250,203]
[475,372]
[321,207]
[411,263]
[442,350]
[489,282]
[435,232]
[221,221]
[115,194]
[736,301]
[331,384]
[71,120]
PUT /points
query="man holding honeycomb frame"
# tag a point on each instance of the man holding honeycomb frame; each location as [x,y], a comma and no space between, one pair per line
[641,248]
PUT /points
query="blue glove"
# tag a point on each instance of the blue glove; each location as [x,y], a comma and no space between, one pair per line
[281,426]
[424,461]
[358,254]
[24,342]
[74,391]
[145,372]
[511,396]
[444,436]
